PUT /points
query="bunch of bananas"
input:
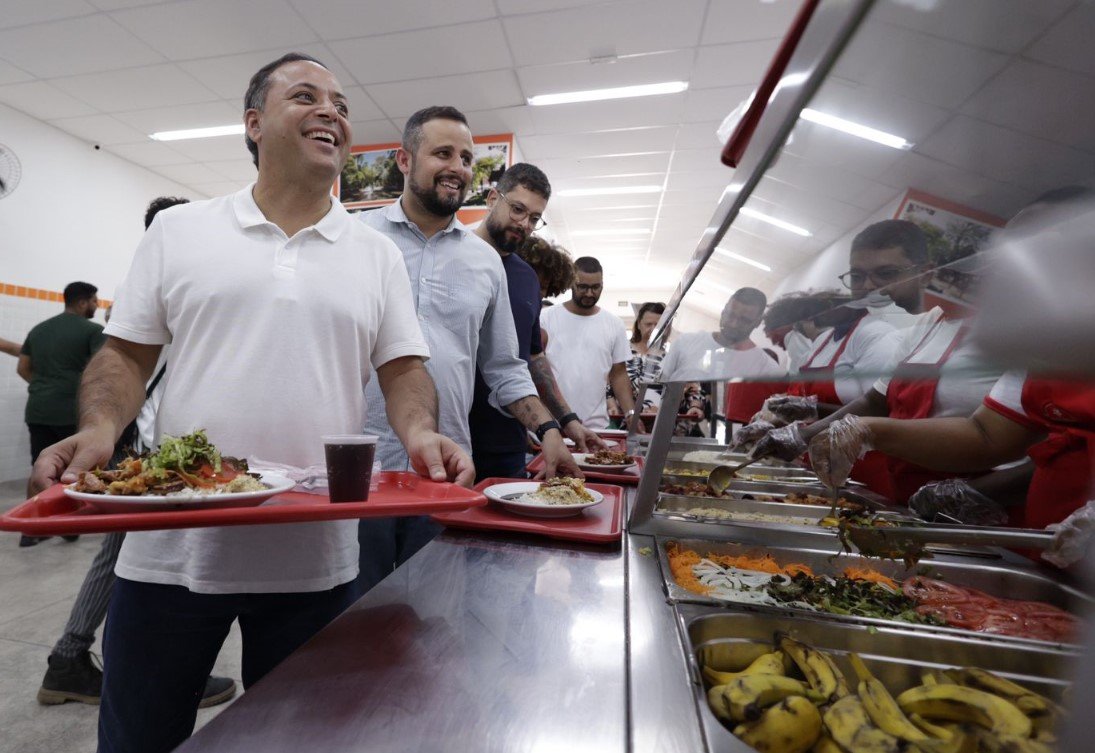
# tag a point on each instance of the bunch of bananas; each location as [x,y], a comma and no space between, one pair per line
[964,710]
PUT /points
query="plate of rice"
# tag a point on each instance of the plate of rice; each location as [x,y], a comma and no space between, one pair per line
[558,497]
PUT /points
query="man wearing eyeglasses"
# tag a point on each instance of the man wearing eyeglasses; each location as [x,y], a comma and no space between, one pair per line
[588,347]
[889,259]
[516,208]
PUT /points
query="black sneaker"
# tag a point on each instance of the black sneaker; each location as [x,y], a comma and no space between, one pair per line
[217,691]
[71,538]
[25,541]
[75,679]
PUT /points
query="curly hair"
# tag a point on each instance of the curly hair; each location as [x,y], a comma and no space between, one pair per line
[551,263]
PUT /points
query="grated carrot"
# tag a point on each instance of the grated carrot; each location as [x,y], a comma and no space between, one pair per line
[862,573]
[681,562]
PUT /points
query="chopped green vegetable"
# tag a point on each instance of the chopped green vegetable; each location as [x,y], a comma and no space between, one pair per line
[185,454]
[645,551]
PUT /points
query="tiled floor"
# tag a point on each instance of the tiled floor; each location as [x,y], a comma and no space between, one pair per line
[37,586]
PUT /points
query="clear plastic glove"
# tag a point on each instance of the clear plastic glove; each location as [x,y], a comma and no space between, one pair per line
[834,451]
[747,436]
[956,499]
[785,443]
[1071,537]
[788,408]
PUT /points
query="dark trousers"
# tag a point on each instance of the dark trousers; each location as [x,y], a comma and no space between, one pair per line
[386,543]
[499,465]
[160,644]
[43,435]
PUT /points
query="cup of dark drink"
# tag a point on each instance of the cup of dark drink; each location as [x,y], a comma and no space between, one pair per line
[349,466]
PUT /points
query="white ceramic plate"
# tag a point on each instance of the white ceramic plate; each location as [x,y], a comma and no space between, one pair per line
[116,503]
[611,432]
[506,494]
[580,459]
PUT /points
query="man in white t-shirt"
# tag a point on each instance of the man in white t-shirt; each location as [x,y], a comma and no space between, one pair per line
[587,346]
[727,353]
[279,308]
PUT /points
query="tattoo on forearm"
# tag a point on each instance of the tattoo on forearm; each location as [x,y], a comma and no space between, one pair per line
[544,379]
[529,411]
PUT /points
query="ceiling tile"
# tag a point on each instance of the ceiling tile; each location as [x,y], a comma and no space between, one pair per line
[234,169]
[739,64]
[716,177]
[661,110]
[879,109]
[23,12]
[345,19]
[375,132]
[151,86]
[215,149]
[120,4]
[594,166]
[220,188]
[632,201]
[43,101]
[228,75]
[1068,43]
[204,28]
[149,154]
[917,66]
[1046,102]
[362,106]
[829,180]
[512,7]
[77,45]
[99,129]
[747,20]
[594,144]
[1028,163]
[9,74]
[621,28]
[1003,25]
[451,50]
[600,181]
[471,91]
[691,160]
[829,147]
[191,174]
[503,120]
[702,105]
[699,136]
[675,65]
[179,117]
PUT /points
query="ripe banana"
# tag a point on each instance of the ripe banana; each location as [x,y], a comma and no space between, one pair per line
[1011,744]
[826,744]
[747,697]
[962,704]
[1027,700]
[819,670]
[933,730]
[851,728]
[791,726]
[718,704]
[731,657]
[881,707]
[768,664]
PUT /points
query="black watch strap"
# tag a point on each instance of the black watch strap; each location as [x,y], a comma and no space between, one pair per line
[545,427]
[568,418]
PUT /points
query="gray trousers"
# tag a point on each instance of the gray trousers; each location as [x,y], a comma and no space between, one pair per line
[89,611]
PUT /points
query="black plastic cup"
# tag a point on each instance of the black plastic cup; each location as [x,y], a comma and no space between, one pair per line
[349,466]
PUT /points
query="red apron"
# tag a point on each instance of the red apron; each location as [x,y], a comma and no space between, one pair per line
[871,469]
[1063,462]
[910,397]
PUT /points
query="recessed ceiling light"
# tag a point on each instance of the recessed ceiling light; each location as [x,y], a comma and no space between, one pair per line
[620,92]
[744,259]
[617,231]
[608,191]
[199,133]
[750,212]
[856,129]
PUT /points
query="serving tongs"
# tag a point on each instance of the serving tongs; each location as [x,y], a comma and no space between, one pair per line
[901,539]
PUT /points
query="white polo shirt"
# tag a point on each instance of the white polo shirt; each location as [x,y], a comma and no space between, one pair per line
[699,357]
[273,340]
[867,357]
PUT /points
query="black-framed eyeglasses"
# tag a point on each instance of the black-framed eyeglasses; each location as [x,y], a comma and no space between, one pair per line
[519,212]
[882,276]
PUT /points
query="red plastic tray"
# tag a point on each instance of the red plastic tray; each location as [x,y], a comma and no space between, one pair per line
[600,524]
[398,493]
[629,476]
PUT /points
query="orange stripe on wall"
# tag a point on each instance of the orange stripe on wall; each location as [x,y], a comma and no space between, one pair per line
[19,291]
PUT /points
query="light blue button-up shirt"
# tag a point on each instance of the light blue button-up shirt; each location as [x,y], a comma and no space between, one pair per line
[460,293]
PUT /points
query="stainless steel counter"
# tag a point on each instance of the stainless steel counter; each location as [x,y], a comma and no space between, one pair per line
[478,643]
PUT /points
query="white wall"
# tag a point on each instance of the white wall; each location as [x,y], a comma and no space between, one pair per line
[77,214]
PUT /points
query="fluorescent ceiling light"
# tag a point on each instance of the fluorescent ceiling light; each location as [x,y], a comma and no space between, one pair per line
[744,259]
[617,231]
[615,191]
[621,92]
[750,212]
[855,129]
[199,133]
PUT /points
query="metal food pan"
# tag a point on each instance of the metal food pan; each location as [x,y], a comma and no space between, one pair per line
[720,455]
[746,492]
[701,470]
[895,655]
[994,579]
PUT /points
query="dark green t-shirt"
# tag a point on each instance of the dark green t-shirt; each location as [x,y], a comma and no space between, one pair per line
[59,349]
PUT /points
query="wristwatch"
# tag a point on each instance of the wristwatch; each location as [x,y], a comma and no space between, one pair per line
[545,427]
[568,418]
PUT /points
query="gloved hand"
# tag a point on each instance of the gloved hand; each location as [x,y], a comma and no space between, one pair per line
[955,498]
[785,443]
[834,451]
[747,436]
[788,408]
[1071,537]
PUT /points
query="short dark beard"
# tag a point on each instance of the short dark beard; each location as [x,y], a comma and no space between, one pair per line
[431,202]
[579,304]
[497,233]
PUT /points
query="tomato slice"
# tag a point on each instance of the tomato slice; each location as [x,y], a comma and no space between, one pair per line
[931,591]
[964,615]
